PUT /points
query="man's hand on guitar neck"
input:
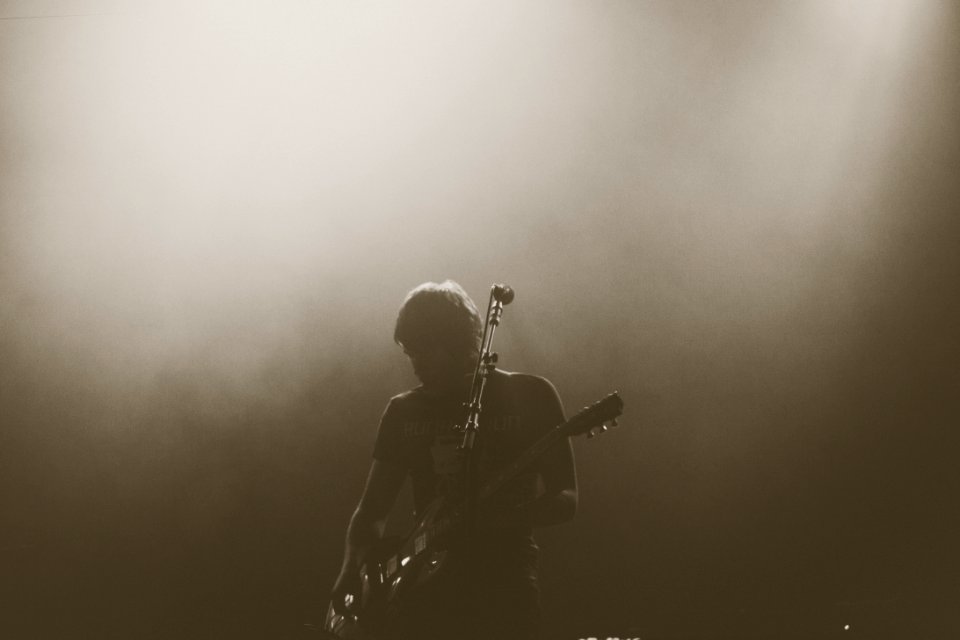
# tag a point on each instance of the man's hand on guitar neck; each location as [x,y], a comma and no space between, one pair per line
[526,503]
[515,506]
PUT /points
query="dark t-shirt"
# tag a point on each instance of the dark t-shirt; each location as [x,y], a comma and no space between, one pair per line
[490,588]
[418,432]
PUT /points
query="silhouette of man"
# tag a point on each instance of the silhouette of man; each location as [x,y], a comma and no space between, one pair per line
[489,585]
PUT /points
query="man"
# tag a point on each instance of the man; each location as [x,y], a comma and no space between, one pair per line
[488,588]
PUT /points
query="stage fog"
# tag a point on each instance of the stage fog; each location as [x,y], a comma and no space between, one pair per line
[742,216]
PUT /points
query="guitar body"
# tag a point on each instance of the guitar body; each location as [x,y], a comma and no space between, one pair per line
[395,576]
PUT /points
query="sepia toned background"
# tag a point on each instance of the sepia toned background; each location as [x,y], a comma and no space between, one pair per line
[741,215]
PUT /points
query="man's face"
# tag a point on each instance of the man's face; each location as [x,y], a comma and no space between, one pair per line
[436,367]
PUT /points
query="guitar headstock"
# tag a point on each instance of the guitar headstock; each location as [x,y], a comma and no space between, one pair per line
[592,420]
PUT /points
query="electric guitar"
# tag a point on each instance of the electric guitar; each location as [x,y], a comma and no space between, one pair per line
[394,569]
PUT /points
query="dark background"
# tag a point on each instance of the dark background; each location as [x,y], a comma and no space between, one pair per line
[741,215]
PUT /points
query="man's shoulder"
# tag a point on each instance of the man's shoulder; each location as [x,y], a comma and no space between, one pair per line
[527,382]
[532,395]
[406,398]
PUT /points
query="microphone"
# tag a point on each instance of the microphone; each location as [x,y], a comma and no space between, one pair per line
[502,293]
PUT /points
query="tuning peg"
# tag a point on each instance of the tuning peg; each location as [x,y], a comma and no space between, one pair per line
[596,431]
[614,423]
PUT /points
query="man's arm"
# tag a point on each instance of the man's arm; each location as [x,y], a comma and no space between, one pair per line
[559,500]
[558,503]
[548,495]
[540,498]
[366,525]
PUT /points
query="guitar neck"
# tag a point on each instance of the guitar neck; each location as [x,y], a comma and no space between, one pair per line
[528,457]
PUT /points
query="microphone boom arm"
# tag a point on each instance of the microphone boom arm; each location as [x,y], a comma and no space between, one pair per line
[500,295]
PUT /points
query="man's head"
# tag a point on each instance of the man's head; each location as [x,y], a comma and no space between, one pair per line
[440,330]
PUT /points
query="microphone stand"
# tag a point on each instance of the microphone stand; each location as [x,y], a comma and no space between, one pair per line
[500,295]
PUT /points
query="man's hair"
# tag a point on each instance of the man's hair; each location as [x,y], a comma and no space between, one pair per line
[440,314]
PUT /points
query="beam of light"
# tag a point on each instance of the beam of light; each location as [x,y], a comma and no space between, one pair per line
[194,170]
[192,175]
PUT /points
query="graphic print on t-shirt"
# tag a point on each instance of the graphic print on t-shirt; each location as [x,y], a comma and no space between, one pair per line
[446,461]
[446,458]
